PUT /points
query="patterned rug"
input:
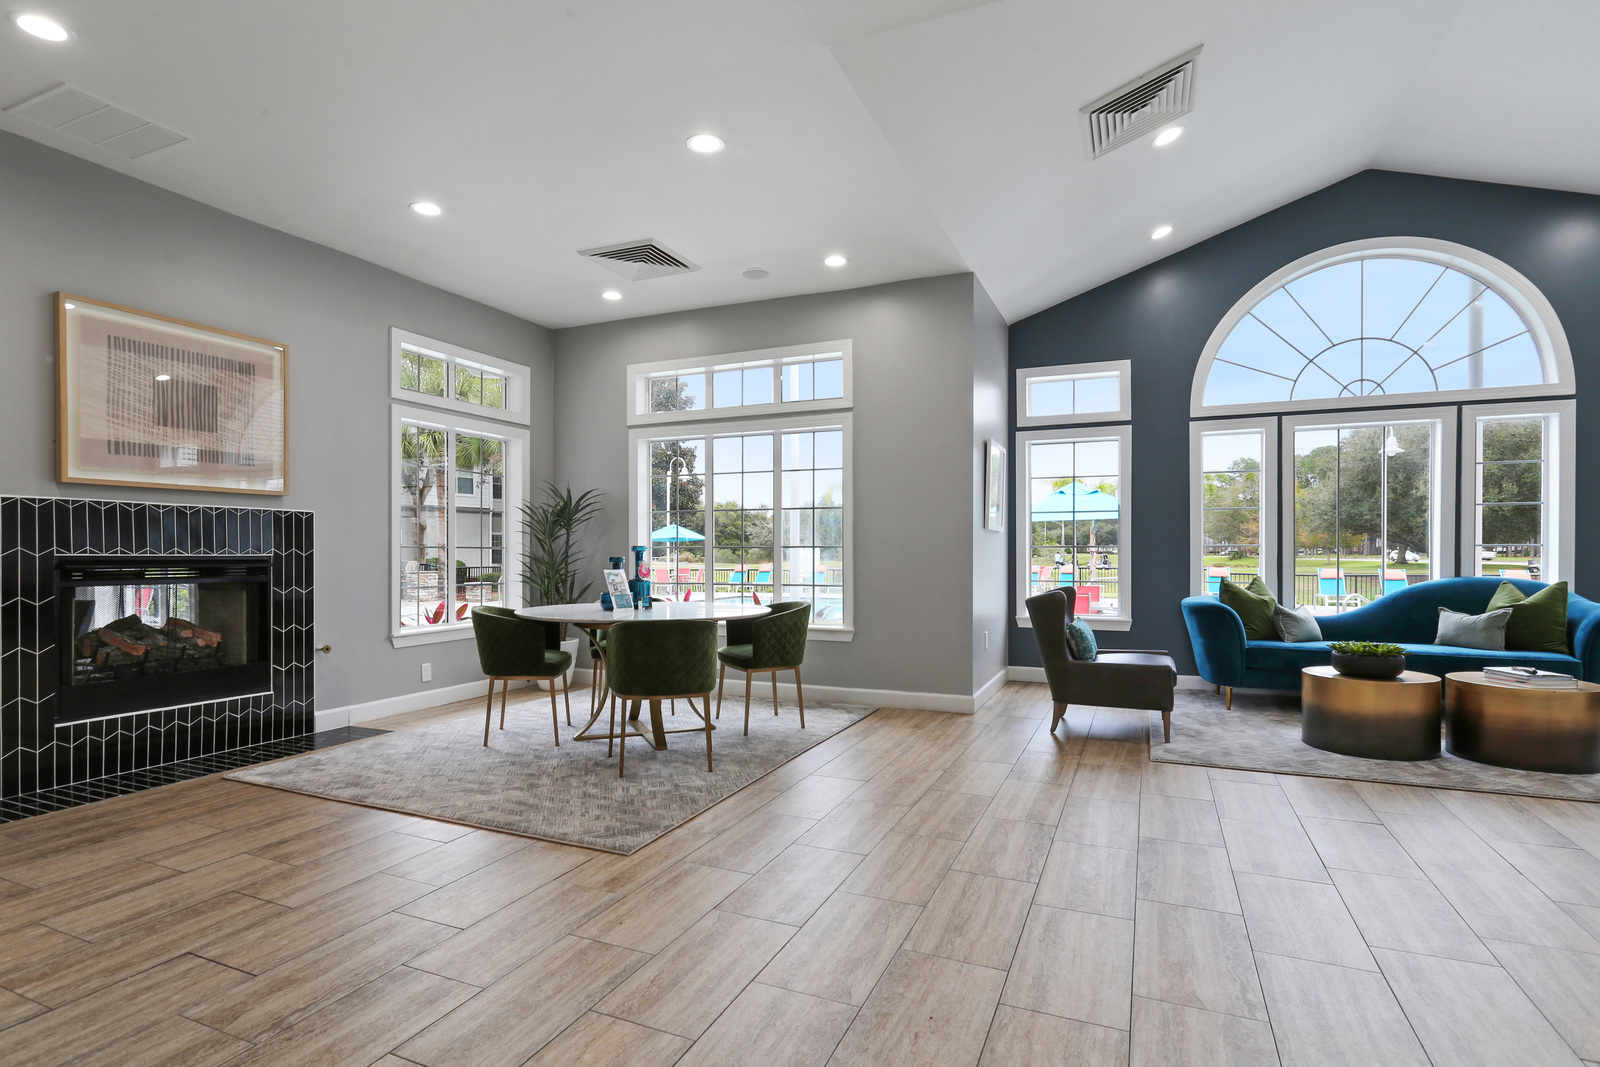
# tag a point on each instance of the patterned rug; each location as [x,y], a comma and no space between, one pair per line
[1262,733]
[525,785]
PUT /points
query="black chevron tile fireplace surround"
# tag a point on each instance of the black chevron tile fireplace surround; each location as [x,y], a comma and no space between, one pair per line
[136,635]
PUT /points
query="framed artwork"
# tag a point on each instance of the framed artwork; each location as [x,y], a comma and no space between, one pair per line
[155,402]
[617,587]
[994,487]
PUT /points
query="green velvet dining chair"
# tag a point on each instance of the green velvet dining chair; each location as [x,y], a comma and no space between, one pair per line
[660,660]
[514,649]
[766,645]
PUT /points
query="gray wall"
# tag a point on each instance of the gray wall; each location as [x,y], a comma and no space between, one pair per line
[991,387]
[67,224]
[913,482]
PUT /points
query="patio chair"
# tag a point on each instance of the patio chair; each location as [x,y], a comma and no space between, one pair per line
[1526,575]
[1214,576]
[1395,580]
[1142,680]
[766,645]
[1330,585]
[514,649]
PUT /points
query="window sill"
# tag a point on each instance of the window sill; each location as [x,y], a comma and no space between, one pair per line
[1095,622]
[817,633]
[432,636]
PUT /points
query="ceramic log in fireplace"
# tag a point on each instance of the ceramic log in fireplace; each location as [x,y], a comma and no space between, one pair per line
[149,633]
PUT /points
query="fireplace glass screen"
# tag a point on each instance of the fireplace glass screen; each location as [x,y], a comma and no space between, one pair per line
[135,638]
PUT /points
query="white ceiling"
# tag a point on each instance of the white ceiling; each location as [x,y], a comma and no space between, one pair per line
[917,137]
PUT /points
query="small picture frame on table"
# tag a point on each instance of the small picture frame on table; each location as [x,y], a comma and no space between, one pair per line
[617,589]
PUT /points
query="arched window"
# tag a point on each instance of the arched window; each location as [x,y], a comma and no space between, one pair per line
[1365,323]
[1329,360]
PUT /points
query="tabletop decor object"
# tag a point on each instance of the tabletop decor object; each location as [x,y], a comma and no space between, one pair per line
[550,558]
[617,596]
[1368,659]
[156,402]
[639,585]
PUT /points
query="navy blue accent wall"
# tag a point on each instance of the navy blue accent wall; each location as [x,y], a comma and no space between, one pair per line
[1161,316]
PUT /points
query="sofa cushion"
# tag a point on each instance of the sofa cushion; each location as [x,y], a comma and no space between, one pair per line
[1538,622]
[1254,603]
[1291,656]
[1295,624]
[1486,632]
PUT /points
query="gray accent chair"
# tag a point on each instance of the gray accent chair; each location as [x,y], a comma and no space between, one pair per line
[1142,679]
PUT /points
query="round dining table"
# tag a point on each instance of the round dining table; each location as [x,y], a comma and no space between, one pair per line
[591,618]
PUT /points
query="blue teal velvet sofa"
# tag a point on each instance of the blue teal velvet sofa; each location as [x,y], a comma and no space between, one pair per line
[1408,617]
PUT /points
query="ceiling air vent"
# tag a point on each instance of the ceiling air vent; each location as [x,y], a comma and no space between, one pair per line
[92,120]
[641,259]
[1147,103]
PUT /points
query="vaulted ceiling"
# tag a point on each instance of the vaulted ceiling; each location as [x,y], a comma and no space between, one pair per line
[914,137]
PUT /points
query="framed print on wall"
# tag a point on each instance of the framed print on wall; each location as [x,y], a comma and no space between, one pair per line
[156,402]
[994,487]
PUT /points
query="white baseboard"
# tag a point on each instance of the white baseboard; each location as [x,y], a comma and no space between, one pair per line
[1036,674]
[356,714]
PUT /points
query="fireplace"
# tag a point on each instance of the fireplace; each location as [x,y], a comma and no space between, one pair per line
[140,634]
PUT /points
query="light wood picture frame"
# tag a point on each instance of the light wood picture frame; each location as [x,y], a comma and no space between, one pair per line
[994,487]
[154,402]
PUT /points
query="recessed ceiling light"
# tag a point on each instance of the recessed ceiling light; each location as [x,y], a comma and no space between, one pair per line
[835,260]
[41,27]
[427,207]
[1167,136]
[611,294]
[755,274]
[706,143]
[163,377]
[1159,232]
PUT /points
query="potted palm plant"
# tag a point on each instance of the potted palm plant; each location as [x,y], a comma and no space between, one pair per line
[551,557]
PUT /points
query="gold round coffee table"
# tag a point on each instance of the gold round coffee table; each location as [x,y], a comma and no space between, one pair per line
[1511,725]
[1376,718]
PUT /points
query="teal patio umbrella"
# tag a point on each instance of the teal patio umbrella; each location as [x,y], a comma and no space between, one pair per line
[675,533]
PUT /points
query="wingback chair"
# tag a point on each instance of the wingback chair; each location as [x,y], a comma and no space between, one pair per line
[1119,679]
[769,644]
[511,648]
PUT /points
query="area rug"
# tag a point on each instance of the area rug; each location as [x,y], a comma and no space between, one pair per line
[1262,733]
[525,785]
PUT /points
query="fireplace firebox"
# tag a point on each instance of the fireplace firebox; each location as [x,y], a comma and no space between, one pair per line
[138,634]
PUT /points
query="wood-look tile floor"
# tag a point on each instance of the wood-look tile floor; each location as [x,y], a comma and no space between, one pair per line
[921,889]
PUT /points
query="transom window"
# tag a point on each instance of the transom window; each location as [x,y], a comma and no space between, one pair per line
[802,378]
[1362,324]
[444,376]
[1073,393]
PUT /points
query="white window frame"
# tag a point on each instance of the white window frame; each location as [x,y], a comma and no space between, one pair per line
[639,375]
[1560,484]
[517,387]
[1268,428]
[1023,476]
[1524,297]
[639,439]
[1440,542]
[1121,368]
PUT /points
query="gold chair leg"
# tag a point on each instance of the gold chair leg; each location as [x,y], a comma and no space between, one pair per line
[774,694]
[488,713]
[622,749]
[1229,690]
[555,718]
[722,676]
[800,696]
[505,691]
[708,732]
[566,698]
[747,703]
[1218,688]
[612,729]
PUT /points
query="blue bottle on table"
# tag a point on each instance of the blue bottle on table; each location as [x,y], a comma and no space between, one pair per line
[639,585]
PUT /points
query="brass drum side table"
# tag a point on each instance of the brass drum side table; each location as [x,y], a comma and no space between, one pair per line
[1376,718]
[1511,725]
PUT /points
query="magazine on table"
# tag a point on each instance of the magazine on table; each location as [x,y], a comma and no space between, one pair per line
[1531,677]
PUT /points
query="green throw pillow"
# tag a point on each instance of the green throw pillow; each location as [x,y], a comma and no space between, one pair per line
[1254,603]
[1538,622]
